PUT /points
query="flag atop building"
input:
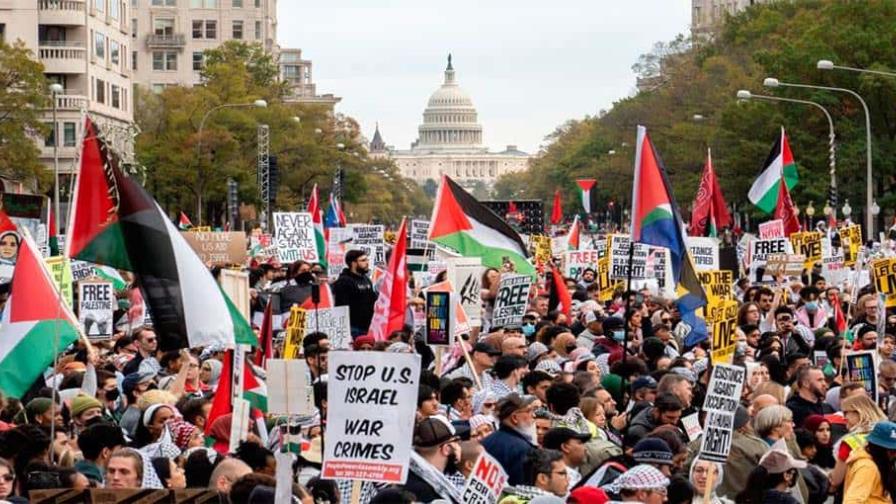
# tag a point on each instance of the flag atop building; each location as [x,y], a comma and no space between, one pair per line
[466,226]
[114,222]
[585,186]
[780,164]
[710,211]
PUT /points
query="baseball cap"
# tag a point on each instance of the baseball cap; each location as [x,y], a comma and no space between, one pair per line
[433,431]
[644,382]
[512,403]
[130,381]
[778,460]
[612,324]
[486,348]
[555,437]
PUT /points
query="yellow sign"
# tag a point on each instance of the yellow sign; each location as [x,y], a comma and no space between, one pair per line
[607,286]
[807,243]
[724,331]
[61,271]
[542,249]
[851,242]
[883,271]
[295,333]
[718,284]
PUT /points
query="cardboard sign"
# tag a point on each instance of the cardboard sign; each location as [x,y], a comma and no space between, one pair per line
[722,399]
[486,482]
[289,392]
[704,251]
[294,237]
[370,239]
[851,243]
[576,261]
[607,285]
[334,322]
[785,264]
[372,398]
[465,275]
[61,271]
[807,243]
[542,249]
[724,328]
[294,334]
[419,233]
[862,368]
[438,319]
[511,301]
[618,246]
[218,248]
[96,305]
[771,229]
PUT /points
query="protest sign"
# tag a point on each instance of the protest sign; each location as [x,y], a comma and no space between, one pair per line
[289,392]
[851,243]
[239,427]
[96,305]
[718,284]
[862,368]
[294,237]
[785,264]
[371,239]
[419,233]
[334,322]
[541,246]
[486,481]
[883,274]
[460,324]
[338,243]
[807,243]
[438,318]
[659,269]
[832,263]
[692,426]
[722,398]
[619,246]
[511,300]
[294,334]
[26,212]
[465,275]
[771,229]
[61,271]
[218,248]
[704,251]
[760,250]
[724,328]
[820,358]
[607,285]
[576,261]
[372,398]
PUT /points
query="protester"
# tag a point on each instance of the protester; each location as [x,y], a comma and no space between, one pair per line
[870,475]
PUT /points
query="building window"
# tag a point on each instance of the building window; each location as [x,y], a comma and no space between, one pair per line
[99,45]
[158,88]
[114,52]
[134,60]
[50,139]
[165,3]
[113,9]
[257,3]
[164,60]
[237,30]
[134,27]
[116,96]
[163,26]
[290,71]
[258,30]
[198,29]
[206,4]
[237,4]
[100,91]
[211,29]
[100,5]
[69,132]
[197,61]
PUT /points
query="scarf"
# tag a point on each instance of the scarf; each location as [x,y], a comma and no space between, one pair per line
[434,478]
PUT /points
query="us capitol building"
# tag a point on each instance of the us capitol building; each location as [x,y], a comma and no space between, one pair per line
[450,142]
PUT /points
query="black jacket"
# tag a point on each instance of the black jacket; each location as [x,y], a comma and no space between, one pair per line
[356,292]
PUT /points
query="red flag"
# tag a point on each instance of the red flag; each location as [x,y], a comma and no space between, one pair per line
[6,224]
[559,299]
[511,207]
[326,299]
[786,211]
[839,319]
[222,403]
[556,210]
[266,337]
[710,211]
[390,307]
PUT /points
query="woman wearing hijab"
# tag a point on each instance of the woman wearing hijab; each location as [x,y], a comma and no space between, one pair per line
[820,427]
[210,373]
[700,475]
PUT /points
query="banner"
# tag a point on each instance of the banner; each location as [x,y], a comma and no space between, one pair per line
[704,251]
[289,392]
[807,243]
[771,229]
[722,399]
[486,481]
[511,301]
[724,331]
[851,243]
[294,237]
[419,233]
[61,271]
[220,248]
[294,334]
[576,261]
[465,275]
[96,305]
[862,368]
[334,322]
[371,239]
[438,319]
[372,400]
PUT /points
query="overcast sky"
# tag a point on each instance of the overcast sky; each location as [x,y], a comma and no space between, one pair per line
[528,65]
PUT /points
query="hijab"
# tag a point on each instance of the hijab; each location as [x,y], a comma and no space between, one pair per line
[215,365]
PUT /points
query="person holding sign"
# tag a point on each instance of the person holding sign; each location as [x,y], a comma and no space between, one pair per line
[703,473]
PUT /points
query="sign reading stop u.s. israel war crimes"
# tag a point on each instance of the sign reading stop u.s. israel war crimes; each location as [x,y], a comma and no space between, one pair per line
[372,397]
[722,399]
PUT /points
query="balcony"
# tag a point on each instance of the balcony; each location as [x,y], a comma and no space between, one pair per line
[173,41]
[67,101]
[62,12]
[62,57]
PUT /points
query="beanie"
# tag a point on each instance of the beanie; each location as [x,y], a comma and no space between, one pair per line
[82,403]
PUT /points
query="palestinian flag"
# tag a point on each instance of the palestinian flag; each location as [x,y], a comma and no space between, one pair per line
[184,222]
[464,225]
[656,220]
[575,231]
[254,390]
[780,164]
[392,302]
[114,222]
[317,218]
[710,211]
[36,321]
[53,237]
[585,186]
[559,297]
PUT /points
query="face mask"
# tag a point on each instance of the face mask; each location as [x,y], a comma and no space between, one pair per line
[112,395]
[528,329]
[619,336]
[812,306]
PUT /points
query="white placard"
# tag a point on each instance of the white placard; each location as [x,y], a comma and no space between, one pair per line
[619,258]
[704,251]
[511,300]
[771,229]
[369,238]
[334,322]
[96,305]
[722,399]
[239,427]
[465,275]
[419,233]
[486,481]
[339,241]
[289,392]
[576,261]
[294,237]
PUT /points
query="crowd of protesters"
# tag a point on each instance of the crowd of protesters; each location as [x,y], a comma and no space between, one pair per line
[581,407]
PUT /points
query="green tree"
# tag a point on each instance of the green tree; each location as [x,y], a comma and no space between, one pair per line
[23,95]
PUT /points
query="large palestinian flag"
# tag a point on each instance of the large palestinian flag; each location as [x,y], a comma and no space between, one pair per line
[466,226]
[114,222]
[779,164]
[36,323]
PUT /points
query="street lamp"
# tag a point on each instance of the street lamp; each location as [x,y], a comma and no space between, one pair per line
[810,213]
[256,104]
[743,94]
[869,186]
[847,210]
[697,117]
[55,90]
[829,65]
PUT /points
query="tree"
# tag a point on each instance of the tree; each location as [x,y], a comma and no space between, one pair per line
[23,95]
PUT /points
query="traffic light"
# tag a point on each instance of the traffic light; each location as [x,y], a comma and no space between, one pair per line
[233,201]
[273,179]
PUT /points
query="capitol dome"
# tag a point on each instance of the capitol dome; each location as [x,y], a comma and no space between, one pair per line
[450,119]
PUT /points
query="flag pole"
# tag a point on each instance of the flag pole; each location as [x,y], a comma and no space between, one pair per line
[628,301]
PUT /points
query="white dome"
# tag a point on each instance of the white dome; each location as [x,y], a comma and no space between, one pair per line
[450,121]
[450,95]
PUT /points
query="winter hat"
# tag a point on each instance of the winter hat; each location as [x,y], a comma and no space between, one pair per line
[536,350]
[652,451]
[82,403]
[588,495]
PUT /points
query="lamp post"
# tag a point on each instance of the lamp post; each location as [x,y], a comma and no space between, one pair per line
[869,187]
[256,104]
[810,213]
[55,90]
[847,210]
